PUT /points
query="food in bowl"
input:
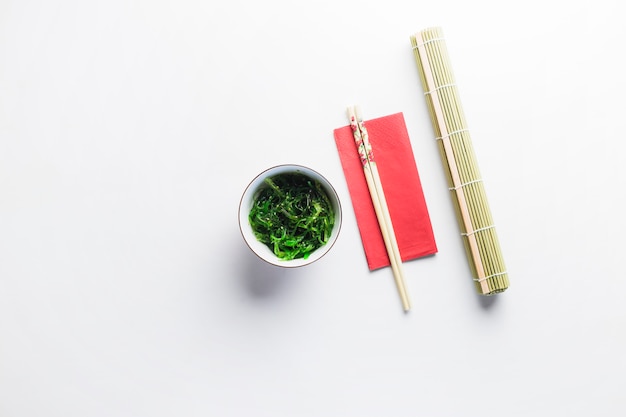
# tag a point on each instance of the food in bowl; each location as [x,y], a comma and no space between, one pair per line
[292,215]
[265,251]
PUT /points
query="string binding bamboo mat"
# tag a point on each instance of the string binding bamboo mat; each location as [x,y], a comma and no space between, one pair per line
[465,182]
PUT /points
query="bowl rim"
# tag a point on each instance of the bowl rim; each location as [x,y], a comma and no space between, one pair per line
[249,191]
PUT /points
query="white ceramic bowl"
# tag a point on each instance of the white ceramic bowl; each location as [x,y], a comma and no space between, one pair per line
[260,249]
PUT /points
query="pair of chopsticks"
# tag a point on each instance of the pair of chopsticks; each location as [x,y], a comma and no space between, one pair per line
[377,195]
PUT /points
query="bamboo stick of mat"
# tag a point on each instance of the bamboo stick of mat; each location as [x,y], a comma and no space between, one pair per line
[455,144]
[364,148]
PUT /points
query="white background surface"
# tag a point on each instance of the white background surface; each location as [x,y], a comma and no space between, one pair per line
[129,129]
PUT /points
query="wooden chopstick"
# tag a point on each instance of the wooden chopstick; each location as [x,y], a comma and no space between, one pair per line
[379,201]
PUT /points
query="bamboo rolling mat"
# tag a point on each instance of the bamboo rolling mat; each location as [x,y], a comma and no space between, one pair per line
[465,182]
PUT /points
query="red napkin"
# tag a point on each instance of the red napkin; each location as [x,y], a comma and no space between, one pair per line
[401,183]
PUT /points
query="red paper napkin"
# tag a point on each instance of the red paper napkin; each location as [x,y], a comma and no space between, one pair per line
[401,183]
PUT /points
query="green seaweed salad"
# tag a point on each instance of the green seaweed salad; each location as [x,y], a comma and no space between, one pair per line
[292,215]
